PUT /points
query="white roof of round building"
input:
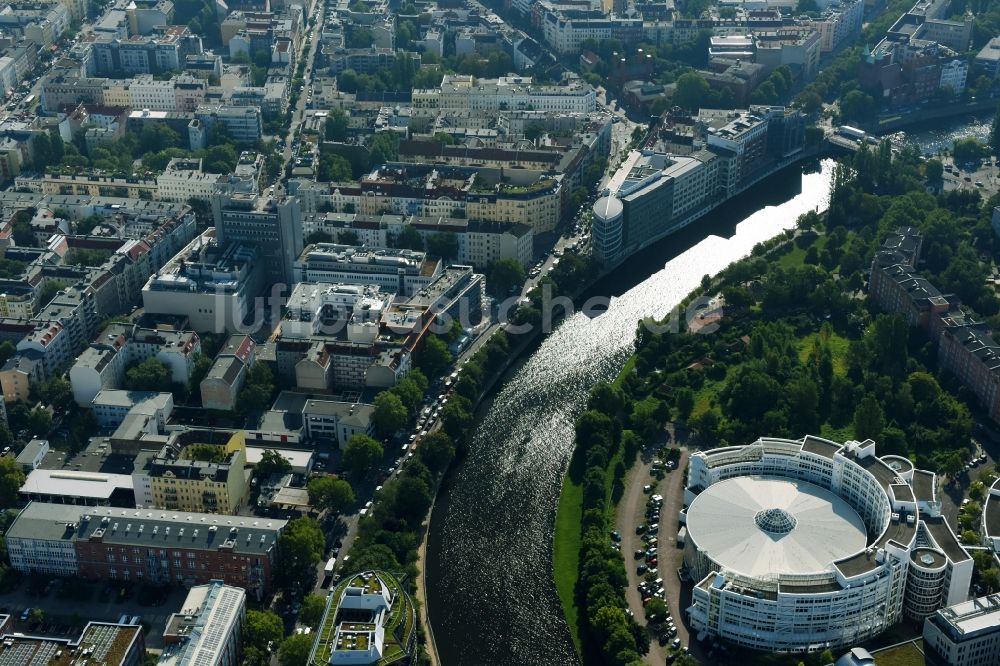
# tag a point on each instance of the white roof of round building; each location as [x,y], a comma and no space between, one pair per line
[759,526]
[608,207]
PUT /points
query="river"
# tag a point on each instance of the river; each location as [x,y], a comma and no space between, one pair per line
[491,596]
[935,136]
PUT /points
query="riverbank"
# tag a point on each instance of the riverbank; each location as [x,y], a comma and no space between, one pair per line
[568,534]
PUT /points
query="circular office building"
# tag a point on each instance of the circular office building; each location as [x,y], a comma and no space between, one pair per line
[767,526]
[804,545]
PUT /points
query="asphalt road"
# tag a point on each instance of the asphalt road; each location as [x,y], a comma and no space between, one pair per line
[300,105]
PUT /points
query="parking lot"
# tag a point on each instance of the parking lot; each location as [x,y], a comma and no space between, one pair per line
[647,523]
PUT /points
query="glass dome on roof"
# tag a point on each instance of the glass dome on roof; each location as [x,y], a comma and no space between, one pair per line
[775,521]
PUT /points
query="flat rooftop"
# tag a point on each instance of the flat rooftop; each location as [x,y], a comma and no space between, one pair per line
[969,617]
[923,485]
[67,483]
[820,447]
[882,472]
[945,538]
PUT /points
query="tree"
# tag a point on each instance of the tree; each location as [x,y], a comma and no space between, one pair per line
[456,418]
[413,499]
[384,148]
[606,398]
[336,125]
[333,168]
[39,422]
[362,454]
[691,91]
[390,414]
[684,399]
[150,375]
[809,101]
[435,356]
[856,105]
[968,149]
[262,627]
[11,480]
[253,398]
[56,391]
[994,138]
[7,349]
[869,419]
[37,616]
[933,171]
[272,462]
[42,148]
[505,275]
[56,145]
[436,450]
[202,364]
[360,38]
[311,613]
[410,239]
[444,245]
[49,290]
[328,493]
[157,136]
[300,547]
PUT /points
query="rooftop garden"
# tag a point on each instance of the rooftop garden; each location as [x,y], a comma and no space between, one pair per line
[400,622]
[538,186]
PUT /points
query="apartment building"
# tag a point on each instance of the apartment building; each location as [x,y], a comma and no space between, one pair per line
[528,197]
[42,23]
[183,179]
[227,375]
[965,347]
[170,480]
[208,629]
[164,49]
[514,93]
[566,31]
[192,485]
[92,185]
[174,547]
[330,420]
[18,374]
[119,346]
[242,123]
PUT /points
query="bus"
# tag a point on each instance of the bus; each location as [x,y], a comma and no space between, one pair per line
[851,132]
